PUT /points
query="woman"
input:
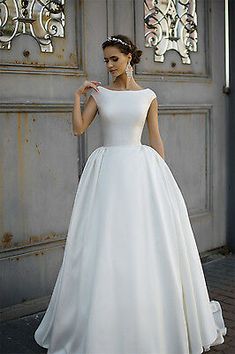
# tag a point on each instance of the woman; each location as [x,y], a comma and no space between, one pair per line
[131,280]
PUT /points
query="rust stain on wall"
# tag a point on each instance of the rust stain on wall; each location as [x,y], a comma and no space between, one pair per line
[26,127]
[20,172]
[73,59]
[7,240]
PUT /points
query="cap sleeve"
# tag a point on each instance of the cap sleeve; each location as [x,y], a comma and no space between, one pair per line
[94,94]
[152,95]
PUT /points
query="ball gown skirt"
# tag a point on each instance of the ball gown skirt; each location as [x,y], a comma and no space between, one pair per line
[131,279]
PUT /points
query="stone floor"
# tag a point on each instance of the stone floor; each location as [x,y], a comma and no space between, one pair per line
[17,335]
[220,277]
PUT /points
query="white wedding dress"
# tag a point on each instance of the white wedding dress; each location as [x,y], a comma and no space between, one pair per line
[131,280]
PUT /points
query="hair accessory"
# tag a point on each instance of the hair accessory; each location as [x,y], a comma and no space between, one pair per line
[114,39]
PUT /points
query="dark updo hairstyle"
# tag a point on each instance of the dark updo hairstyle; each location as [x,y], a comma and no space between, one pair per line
[126,49]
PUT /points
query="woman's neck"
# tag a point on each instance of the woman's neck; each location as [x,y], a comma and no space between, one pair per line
[123,83]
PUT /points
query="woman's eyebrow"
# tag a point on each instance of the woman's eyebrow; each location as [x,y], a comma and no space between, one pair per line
[113,56]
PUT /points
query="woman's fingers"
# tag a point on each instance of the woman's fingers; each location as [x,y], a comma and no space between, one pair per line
[94,85]
[96,82]
[88,85]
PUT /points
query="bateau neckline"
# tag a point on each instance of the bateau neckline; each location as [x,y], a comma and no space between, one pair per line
[124,90]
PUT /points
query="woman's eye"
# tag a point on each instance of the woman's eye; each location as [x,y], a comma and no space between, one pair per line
[105,61]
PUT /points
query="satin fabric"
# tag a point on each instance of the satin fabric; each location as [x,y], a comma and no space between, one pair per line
[131,280]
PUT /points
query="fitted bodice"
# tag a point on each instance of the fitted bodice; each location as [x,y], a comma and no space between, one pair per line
[122,114]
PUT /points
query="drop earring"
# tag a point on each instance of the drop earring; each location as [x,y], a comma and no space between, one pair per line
[129,71]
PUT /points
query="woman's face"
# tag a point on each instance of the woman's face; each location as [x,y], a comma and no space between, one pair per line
[115,60]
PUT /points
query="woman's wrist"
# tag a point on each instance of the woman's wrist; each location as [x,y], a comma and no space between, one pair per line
[78,94]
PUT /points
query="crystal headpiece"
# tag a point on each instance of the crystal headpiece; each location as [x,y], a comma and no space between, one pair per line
[114,39]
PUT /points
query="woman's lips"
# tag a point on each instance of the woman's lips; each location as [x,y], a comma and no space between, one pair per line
[112,71]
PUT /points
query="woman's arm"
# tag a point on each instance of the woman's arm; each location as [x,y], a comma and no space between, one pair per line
[155,139]
[82,120]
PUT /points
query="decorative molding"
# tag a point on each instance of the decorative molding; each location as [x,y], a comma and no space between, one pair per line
[35,107]
[41,19]
[29,106]
[200,71]
[205,109]
[26,69]
[171,24]
[164,109]
[58,241]
[32,249]
[65,60]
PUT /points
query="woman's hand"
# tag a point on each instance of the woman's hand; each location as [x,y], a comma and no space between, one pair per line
[87,85]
